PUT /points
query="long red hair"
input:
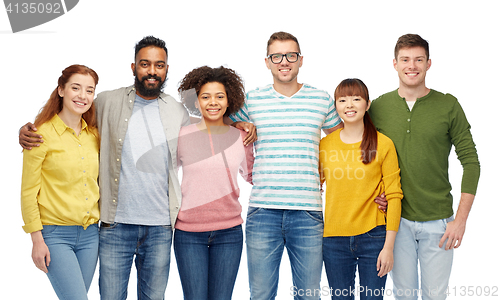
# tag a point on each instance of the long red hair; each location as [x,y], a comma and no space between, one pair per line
[55,103]
[356,87]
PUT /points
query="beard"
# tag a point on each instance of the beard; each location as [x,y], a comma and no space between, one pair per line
[144,90]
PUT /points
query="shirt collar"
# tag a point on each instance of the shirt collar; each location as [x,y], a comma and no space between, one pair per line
[161,97]
[60,127]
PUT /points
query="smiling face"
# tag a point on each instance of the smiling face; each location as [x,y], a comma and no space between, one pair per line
[412,65]
[77,94]
[351,109]
[150,70]
[213,103]
[284,72]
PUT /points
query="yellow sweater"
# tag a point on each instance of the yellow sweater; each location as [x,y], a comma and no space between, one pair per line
[352,186]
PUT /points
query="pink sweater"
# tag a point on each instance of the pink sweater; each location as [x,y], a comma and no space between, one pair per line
[210,164]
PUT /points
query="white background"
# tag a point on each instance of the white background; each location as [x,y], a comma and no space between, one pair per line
[339,39]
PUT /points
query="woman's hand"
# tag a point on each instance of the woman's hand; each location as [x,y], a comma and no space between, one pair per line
[40,253]
[385,262]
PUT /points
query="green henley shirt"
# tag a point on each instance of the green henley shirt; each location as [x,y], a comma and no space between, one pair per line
[423,137]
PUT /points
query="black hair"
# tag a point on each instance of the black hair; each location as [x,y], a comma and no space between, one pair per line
[150,41]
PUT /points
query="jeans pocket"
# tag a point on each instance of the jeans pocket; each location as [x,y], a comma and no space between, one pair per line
[108,226]
[167,227]
[315,215]
[252,211]
[48,229]
[446,221]
[234,228]
[377,232]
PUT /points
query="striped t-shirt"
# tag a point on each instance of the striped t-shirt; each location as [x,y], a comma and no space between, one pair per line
[285,173]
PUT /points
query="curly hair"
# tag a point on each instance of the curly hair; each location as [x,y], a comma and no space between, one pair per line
[195,79]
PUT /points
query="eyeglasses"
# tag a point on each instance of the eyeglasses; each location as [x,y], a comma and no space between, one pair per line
[277,58]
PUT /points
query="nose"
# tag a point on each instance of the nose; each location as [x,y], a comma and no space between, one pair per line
[82,93]
[212,101]
[151,70]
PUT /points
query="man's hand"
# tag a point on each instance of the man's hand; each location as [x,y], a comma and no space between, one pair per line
[454,233]
[455,230]
[382,202]
[250,129]
[28,138]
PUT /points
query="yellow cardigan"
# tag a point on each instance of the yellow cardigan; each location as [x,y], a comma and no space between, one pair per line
[352,186]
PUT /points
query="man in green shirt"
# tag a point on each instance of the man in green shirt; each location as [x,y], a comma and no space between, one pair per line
[423,125]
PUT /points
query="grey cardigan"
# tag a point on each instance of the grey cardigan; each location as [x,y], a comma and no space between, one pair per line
[113,109]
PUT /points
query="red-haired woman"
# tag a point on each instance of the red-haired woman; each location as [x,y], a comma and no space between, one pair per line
[358,164]
[59,192]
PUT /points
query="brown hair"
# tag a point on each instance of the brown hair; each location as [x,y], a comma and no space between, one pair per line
[410,41]
[356,87]
[232,82]
[55,103]
[281,36]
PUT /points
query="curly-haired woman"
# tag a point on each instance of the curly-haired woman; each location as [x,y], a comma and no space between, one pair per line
[208,239]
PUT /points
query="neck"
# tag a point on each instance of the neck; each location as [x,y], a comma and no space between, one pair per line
[72,121]
[413,93]
[146,97]
[352,132]
[287,89]
[212,127]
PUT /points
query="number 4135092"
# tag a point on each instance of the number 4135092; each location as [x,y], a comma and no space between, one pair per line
[473,290]
[34,8]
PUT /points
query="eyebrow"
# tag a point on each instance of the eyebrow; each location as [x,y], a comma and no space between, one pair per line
[147,60]
[76,83]
[421,56]
[215,93]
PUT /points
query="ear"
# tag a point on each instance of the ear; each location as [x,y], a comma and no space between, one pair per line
[60,91]
[301,59]
[132,66]
[368,105]
[267,62]
[428,64]
[394,63]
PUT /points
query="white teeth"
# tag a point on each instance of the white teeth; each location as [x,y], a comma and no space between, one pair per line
[350,113]
[80,103]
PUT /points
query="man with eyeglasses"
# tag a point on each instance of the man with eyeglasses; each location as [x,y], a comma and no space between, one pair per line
[285,203]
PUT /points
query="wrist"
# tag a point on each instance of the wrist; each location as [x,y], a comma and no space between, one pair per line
[37,237]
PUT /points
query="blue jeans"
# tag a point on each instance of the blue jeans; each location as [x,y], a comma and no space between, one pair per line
[208,262]
[118,244]
[419,242]
[268,232]
[73,254]
[343,253]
